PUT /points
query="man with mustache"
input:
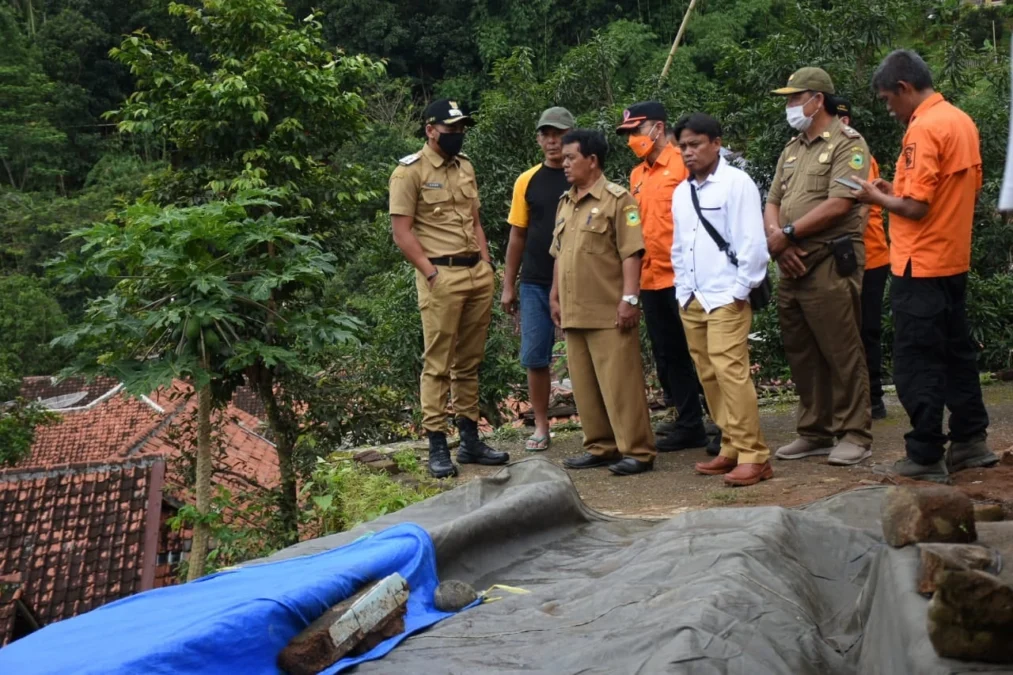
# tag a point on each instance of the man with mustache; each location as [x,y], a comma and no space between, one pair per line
[597,245]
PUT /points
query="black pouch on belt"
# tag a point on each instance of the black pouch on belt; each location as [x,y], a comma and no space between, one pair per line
[843,250]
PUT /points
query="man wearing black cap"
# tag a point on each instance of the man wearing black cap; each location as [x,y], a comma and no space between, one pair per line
[814,231]
[652,183]
[434,209]
[532,219]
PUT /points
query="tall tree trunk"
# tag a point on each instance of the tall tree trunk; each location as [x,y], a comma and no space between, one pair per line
[285,431]
[201,530]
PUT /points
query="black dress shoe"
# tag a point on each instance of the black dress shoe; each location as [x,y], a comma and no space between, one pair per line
[878,409]
[629,467]
[587,461]
[714,445]
[683,439]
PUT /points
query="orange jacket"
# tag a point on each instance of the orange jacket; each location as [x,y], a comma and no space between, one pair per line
[940,164]
[652,186]
[877,252]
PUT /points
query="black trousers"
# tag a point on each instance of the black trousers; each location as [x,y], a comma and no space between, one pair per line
[935,363]
[671,355]
[873,285]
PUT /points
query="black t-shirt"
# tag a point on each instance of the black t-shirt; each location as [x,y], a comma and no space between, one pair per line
[536,196]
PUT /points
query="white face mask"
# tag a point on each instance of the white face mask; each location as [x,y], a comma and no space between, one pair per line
[797,118]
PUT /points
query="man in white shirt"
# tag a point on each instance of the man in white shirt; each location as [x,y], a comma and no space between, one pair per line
[713,293]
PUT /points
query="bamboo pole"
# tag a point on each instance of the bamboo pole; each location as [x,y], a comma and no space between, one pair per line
[675,43]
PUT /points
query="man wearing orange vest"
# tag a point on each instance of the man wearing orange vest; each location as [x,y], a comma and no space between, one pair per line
[652,183]
[877,269]
[931,204]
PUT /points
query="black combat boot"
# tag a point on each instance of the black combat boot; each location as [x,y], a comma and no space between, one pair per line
[440,465]
[473,450]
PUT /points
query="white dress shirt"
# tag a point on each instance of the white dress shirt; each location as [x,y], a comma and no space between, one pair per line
[730,201]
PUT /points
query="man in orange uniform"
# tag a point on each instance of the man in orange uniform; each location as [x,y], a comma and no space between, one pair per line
[931,204]
[877,269]
[652,183]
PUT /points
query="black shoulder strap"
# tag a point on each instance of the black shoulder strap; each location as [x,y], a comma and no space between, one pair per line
[718,239]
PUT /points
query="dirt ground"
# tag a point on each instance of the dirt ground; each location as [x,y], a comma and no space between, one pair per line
[674,487]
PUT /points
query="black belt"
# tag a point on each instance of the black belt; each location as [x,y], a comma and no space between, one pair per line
[456,261]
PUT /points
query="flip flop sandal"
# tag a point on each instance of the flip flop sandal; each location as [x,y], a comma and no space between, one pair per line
[538,443]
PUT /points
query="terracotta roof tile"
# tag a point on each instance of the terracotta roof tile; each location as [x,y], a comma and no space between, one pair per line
[62,568]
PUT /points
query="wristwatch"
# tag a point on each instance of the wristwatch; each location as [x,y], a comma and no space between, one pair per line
[789,231]
[631,300]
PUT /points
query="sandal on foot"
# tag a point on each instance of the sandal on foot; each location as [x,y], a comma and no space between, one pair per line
[538,443]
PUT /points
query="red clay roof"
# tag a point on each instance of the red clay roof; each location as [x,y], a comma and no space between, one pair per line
[75,535]
[48,388]
[122,427]
[74,521]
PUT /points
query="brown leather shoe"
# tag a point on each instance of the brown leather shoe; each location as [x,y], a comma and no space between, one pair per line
[716,466]
[749,474]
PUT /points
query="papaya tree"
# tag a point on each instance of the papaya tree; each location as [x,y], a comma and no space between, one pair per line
[207,294]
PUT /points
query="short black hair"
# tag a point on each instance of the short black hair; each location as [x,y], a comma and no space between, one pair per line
[902,65]
[699,123]
[829,103]
[590,141]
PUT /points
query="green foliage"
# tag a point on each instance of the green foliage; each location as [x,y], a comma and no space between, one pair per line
[29,320]
[18,418]
[268,108]
[243,527]
[201,294]
[341,493]
[30,146]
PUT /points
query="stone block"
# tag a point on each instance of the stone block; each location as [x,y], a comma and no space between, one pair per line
[973,599]
[914,515]
[938,558]
[350,628]
[453,596]
[969,644]
[989,513]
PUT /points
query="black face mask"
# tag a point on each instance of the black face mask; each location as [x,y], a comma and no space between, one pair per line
[451,143]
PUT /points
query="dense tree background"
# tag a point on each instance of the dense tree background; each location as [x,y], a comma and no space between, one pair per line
[75,148]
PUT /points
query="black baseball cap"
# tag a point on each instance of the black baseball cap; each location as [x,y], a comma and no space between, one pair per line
[842,107]
[445,111]
[638,113]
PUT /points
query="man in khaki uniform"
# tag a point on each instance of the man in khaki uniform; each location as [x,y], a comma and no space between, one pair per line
[597,244]
[814,231]
[434,209]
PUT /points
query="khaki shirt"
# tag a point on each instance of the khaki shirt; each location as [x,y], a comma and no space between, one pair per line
[440,195]
[592,238]
[804,179]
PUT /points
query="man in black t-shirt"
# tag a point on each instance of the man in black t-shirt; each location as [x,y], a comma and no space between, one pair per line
[532,219]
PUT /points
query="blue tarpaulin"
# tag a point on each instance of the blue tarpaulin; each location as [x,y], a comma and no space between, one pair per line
[235,621]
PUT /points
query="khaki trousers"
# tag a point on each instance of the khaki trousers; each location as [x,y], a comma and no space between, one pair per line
[820,318]
[455,321]
[719,347]
[608,388]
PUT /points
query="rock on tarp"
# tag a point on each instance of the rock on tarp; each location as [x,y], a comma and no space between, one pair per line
[235,621]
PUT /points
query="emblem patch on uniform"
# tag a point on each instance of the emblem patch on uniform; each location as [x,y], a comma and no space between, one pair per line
[857,160]
[909,156]
[435,186]
[824,157]
[409,159]
[632,216]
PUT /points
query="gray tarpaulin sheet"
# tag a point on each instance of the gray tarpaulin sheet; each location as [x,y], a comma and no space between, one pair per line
[745,591]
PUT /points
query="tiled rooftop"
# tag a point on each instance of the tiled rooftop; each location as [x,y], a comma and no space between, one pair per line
[82,518]
[75,535]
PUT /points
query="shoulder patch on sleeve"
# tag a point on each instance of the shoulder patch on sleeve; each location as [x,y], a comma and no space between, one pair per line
[617,190]
[409,159]
[849,132]
[857,160]
[632,214]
